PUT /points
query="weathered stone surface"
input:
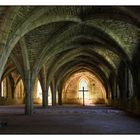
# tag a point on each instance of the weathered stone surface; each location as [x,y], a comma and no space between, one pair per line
[64,40]
[69,120]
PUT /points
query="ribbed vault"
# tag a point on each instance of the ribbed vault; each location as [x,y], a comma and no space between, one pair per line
[55,42]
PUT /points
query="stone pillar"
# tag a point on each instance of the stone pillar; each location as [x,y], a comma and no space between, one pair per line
[44,88]
[46,102]
[8,88]
[53,87]
[115,87]
[125,82]
[29,93]
[130,85]
[112,85]
[125,88]
[0,89]
[60,97]
[54,97]
[44,96]
[117,90]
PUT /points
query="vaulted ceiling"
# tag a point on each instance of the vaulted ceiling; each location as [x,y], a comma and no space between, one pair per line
[68,38]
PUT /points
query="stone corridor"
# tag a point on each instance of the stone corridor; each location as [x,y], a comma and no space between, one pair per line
[68,120]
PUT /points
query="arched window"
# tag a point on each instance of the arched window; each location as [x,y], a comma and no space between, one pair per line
[83,83]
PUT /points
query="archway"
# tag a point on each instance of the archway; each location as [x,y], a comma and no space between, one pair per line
[72,91]
[38,96]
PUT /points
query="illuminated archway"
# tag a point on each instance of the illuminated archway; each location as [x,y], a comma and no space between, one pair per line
[95,93]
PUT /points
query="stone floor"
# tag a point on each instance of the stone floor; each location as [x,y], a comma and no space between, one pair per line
[68,120]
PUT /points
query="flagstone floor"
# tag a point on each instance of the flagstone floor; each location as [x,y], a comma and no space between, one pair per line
[68,120]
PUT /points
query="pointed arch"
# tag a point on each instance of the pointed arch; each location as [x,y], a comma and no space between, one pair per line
[83,83]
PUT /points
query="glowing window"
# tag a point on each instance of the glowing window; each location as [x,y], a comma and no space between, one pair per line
[83,83]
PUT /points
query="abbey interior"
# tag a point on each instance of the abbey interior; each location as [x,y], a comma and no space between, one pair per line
[69,69]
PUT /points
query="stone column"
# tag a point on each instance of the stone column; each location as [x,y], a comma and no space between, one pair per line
[129,84]
[8,88]
[0,89]
[54,97]
[59,97]
[44,95]
[125,82]
[112,86]
[44,88]
[53,87]
[117,90]
[28,94]
[115,87]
